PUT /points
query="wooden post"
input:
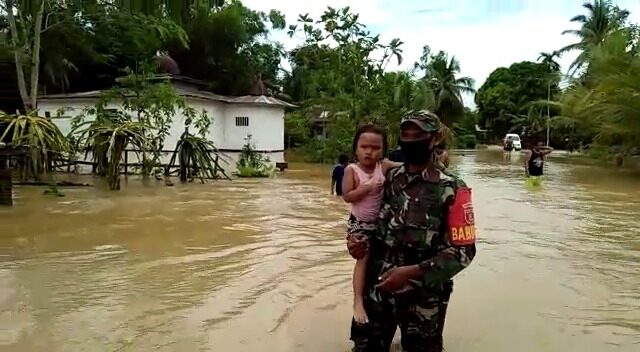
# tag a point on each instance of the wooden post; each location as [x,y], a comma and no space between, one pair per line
[126,161]
[215,167]
[6,187]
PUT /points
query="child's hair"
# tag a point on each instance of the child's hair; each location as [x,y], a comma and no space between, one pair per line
[370,128]
[343,159]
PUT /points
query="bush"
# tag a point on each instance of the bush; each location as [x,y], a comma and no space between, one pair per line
[252,163]
[467,141]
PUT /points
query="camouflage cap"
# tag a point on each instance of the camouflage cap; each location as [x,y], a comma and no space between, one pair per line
[424,119]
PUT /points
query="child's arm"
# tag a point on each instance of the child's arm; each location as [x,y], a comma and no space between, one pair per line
[388,165]
[351,189]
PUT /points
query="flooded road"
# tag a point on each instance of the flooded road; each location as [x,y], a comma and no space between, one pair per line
[257,265]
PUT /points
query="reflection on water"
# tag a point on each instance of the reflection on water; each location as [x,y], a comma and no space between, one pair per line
[250,264]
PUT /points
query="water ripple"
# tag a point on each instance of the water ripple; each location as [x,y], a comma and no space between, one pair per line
[247,264]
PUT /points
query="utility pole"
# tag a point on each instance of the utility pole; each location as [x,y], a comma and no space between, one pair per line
[548,108]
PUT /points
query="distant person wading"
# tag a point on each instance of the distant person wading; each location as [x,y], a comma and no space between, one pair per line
[534,163]
[337,175]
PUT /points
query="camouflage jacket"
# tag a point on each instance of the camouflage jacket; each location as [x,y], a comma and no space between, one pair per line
[413,228]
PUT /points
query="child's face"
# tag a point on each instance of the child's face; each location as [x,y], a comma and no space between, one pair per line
[369,149]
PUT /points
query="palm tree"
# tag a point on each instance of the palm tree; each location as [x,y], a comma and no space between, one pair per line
[393,50]
[528,125]
[548,59]
[602,20]
[411,94]
[441,75]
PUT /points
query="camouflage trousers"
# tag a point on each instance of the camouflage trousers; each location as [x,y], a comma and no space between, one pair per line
[419,314]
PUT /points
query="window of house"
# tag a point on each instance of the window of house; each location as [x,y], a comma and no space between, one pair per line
[242,120]
[47,114]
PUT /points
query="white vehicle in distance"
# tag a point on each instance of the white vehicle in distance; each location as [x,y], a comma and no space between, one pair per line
[515,141]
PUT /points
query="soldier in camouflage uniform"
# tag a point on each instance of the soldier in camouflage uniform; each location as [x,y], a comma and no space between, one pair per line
[417,250]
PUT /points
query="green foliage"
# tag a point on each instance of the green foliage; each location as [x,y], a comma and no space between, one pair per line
[467,141]
[143,122]
[336,140]
[297,130]
[151,103]
[107,137]
[608,106]
[251,163]
[85,44]
[195,156]
[440,73]
[340,82]
[226,48]
[603,19]
[510,92]
[38,135]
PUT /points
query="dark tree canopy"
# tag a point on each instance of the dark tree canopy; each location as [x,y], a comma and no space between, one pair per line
[509,92]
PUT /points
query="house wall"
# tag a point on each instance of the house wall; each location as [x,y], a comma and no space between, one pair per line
[72,108]
[266,125]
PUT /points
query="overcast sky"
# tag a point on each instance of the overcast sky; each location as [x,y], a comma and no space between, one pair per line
[482,34]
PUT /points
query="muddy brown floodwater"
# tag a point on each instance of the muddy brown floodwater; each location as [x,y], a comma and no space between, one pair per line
[261,265]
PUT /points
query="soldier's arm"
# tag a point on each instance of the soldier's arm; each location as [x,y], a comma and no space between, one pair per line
[458,246]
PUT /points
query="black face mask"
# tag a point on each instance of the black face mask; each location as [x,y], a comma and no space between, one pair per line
[416,152]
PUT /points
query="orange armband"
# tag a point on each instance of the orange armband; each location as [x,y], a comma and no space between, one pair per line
[461,222]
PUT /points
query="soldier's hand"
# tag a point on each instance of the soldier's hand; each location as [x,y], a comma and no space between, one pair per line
[357,246]
[397,278]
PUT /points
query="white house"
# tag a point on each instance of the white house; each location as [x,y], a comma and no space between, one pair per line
[233,118]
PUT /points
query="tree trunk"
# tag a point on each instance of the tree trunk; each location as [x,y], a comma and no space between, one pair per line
[29,95]
[15,42]
[35,56]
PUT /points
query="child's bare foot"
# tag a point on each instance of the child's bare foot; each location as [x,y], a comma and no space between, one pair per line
[359,314]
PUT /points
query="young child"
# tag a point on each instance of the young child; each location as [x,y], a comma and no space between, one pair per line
[363,188]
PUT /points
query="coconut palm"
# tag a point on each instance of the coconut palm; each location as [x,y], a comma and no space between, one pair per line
[610,105]
[530,124]
[441,74]
[548,59]
[602,20]
[412,94]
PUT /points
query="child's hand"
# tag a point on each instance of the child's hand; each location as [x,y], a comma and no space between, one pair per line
[374,183]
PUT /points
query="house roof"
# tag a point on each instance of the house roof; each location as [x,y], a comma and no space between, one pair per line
[259,100]
[194,93]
